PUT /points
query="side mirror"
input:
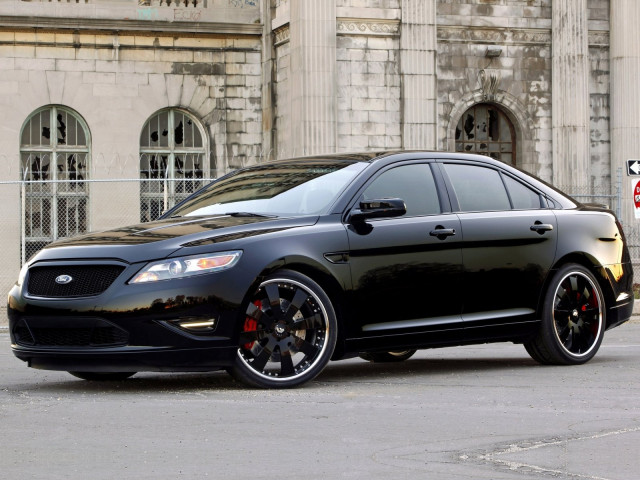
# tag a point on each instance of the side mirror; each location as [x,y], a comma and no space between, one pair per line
[382,208]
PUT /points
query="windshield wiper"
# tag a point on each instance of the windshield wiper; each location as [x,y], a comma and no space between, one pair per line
[249,214]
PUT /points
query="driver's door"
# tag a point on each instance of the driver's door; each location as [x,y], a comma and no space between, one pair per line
[406,276]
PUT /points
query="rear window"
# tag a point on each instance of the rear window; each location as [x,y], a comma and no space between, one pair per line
[477,188]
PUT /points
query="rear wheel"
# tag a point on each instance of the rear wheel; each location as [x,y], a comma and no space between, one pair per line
[103,376]
[387,357]
[288,335]
[573,319]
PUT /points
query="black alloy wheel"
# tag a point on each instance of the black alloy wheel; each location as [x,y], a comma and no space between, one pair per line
[103,376]
[288,335]
[387,357]
[573,320]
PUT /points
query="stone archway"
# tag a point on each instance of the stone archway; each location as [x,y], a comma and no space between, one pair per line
[523,125]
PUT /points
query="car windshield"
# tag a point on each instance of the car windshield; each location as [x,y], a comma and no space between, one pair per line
[281,189]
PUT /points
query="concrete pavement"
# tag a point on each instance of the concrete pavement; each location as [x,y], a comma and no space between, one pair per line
[479,412]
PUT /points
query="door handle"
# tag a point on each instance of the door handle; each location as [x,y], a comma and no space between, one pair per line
[442,232]
[541,228]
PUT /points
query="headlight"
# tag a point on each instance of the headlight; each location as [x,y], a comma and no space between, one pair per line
[186,267]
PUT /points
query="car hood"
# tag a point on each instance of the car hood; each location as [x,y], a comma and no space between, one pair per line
[158,239]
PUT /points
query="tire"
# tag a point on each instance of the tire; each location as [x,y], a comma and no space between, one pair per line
[288,334]
[573,319]
[387,357]
[103,376]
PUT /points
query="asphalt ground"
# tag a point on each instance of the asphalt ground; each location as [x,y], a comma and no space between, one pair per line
[478,412]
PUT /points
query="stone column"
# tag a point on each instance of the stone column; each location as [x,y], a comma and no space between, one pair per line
[313,77]
[570,95]
[268,108]
[625,97]
[418,49]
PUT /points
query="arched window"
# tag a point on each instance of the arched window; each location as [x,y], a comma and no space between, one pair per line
[54,156]
[173,161]
[486,130]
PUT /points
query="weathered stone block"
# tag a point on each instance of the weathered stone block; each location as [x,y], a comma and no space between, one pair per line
[98,77]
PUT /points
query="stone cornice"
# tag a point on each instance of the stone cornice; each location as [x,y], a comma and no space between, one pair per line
[282,35]
[455,34]
[598,38]
[210,28]
[493,35]
[368,27]
[348,26]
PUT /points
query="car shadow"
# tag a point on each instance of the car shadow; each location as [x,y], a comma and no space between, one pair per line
[420,367]
[336,373]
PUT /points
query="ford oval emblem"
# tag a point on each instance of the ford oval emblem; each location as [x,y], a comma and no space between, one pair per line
[64,279]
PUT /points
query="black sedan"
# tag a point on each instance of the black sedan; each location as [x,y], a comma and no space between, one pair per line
[273,270]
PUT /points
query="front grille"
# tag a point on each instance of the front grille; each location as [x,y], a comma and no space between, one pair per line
[87,280]
[79,333]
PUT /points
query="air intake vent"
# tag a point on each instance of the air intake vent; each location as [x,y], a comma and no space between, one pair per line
[81,280]
[81,332]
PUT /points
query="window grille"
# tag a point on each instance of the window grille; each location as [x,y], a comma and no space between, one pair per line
[54,152]
[173,161]
[486,130]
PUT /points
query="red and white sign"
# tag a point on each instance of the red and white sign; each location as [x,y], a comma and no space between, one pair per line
[635,184]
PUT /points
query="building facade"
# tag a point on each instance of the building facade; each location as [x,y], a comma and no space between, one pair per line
[170,93]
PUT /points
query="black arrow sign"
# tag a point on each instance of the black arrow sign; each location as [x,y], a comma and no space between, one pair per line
[633,167]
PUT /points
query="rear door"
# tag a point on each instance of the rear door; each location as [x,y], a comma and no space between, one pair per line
[509,239]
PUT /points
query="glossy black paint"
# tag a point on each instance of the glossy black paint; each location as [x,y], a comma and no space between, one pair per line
[414,281]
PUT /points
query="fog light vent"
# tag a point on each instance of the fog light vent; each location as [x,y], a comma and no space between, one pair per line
[196,324]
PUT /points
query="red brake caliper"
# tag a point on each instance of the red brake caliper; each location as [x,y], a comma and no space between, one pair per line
[251,325]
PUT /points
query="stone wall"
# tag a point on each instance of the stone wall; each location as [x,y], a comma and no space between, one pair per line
[522,71]
[602,176]
[281,97]
[368,93]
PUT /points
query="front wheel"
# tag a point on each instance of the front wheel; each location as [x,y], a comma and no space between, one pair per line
[573,319]
[288,335]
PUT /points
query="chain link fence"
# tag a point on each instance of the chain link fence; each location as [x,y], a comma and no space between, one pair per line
[59,209]
[611,199]
[37,212]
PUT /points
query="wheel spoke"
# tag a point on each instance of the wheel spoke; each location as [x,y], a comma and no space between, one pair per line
[254,311]
[568,342]
[564,333]
[249,336]
[307,348]
[573,280]
[563,301]
[562,310]
[264,356]
[298,300]
[286,363]
[273,294]
[591,314]
[308,323]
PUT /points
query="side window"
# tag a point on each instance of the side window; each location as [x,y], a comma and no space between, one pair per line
[412,183]
[477,188]
[522,197]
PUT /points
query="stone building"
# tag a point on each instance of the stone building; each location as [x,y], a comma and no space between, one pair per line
[172,92]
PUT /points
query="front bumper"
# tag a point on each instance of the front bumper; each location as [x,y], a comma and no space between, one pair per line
[128,359]
[130,328]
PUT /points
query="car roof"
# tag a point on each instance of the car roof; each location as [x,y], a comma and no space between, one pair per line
[392,156]
[375,156]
